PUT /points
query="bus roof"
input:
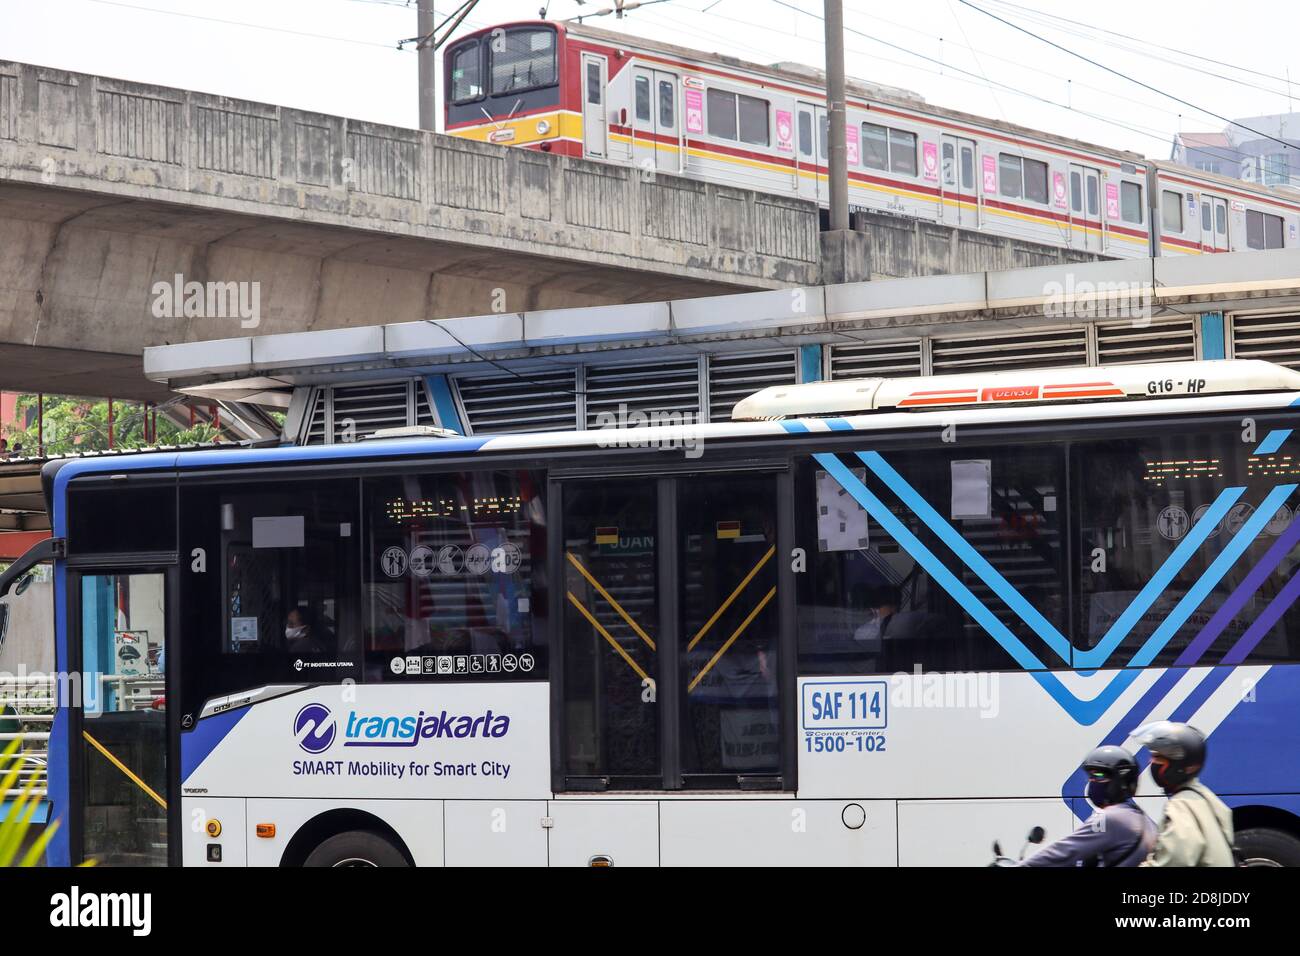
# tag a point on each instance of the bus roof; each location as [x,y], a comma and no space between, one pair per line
[1029,386]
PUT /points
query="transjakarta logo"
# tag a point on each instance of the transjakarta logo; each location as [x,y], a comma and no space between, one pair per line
[315,730]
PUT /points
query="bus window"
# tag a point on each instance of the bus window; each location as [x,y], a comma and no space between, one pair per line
[124,777]
[728,636]
[1138,499]
[452,576]
[871,603]
[127,517]
[610,620]
[282,562]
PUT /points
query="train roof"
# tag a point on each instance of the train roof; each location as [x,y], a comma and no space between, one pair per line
[863,89]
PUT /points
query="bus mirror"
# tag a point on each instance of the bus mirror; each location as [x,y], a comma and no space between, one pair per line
[23,584]
[1036,835]
[4,622]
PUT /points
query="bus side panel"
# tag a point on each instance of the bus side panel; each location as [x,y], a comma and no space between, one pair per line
[760,832]
[931,736]
[418,740]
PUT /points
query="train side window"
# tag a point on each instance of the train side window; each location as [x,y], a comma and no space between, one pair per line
[721,107]
[949,165]
[643,98]
[1171,211]
[593,82]
[1035,180]
[665,104]
[902,152]
[823,128]
[1076,192]
[1009,176]
[752,122]
[805,133]
[1263,231]
[1130,202]
[875,146]
[967,167]
[1207,216]
[1220,219]
[1093,199]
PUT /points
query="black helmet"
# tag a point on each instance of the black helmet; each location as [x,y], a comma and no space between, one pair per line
[1112,775]
[1177,752]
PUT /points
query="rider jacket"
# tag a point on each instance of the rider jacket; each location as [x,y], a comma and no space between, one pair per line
[1119,835]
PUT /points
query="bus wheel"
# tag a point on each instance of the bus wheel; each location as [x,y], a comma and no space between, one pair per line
[356,848]
[1261,846]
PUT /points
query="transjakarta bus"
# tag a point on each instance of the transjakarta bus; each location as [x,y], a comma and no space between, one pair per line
[868,622]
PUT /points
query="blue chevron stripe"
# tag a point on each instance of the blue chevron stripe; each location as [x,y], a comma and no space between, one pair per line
[1089,659]
[1083,711]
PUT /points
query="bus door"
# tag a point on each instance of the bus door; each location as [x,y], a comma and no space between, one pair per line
[1214,223]
[960,200]
[654,120]
[1085,208]
[672,662]
[595,131]
[810,141]
[121,777]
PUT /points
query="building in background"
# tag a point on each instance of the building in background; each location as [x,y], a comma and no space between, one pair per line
[1240,153]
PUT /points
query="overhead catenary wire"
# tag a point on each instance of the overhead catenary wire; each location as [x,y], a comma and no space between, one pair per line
[1120,73]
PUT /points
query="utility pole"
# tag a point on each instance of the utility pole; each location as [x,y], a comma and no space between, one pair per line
[836,116]
[426,51]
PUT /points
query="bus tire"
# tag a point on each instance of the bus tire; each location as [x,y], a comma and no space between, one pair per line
[356,848]
[1264,846]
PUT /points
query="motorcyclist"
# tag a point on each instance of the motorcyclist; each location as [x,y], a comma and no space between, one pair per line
[1197,829]
[1118,834]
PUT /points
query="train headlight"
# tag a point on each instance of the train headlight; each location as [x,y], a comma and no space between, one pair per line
[543,127]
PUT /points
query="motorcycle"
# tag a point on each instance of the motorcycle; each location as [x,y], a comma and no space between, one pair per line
[1033,838]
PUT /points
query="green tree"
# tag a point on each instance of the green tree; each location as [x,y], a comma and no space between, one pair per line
[73,424]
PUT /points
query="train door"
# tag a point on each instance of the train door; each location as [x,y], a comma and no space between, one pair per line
[654,120]
[960,200]
[1085,208]
[673,672]
[1214,223]
[811,143]
[595,124]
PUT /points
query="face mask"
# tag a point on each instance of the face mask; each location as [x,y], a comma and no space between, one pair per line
[293,633]
[1098,793]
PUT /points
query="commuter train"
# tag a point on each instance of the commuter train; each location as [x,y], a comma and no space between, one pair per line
[585,92]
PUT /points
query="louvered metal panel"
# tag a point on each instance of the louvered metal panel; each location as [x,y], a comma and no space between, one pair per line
[423,410]
[733,377]
[528,402]
[1273,338]
[361,410]
[1047,348]
[615,390]
[1127,343]
[314,434]
[876,359]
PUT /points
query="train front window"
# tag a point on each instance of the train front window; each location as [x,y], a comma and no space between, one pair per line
[523,60]
[466,72]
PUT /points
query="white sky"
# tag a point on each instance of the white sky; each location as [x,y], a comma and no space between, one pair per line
[349,65]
